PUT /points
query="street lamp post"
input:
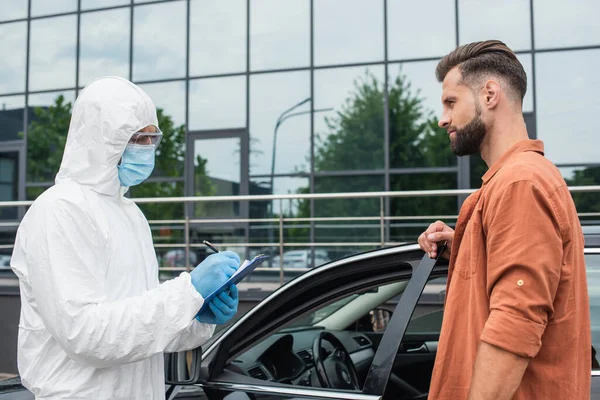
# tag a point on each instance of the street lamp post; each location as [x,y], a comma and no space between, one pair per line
[285,115]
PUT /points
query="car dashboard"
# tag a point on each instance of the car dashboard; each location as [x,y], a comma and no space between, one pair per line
[287,357]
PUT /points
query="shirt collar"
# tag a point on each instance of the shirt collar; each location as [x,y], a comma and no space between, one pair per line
[519,147]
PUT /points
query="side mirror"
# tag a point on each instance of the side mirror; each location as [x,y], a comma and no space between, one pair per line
[380,318]
[183,368]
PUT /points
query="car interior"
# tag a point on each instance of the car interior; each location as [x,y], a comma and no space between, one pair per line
[334,345]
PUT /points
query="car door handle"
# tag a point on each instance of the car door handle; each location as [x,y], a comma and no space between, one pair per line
[420,349]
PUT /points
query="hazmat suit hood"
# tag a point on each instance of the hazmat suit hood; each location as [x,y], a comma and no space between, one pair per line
[105,116]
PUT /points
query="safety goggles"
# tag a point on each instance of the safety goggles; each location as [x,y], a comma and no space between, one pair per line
[146,138]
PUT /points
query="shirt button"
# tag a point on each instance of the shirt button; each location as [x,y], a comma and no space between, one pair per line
[520,282]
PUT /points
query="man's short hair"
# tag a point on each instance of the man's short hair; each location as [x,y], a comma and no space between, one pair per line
[479,60]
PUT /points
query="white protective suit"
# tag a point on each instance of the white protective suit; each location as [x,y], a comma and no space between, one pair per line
[94,319]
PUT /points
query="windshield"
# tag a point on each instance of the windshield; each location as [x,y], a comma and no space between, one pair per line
[322,313]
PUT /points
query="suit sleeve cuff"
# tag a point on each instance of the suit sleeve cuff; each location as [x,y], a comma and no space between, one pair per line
[513,333]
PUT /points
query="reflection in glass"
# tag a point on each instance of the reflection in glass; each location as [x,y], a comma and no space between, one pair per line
[89,4]
[11,117]
[346,231]
[45,7]
[407,37]
[217,172]
[409,230]
[13,9]
[270,96]
[104,45]
[13,42]
[159,41]
[9,182]
[279,34]
[52,56]
[508,21]
[350,33]
[50,115]
[567,105]
[350,136]
[170,97]
[566,24]
[269,232]
[586,202]
[525,60]
[218,103]
[162,211]
[217,37]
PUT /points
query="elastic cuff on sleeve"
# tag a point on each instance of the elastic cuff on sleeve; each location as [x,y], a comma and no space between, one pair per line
[513,333]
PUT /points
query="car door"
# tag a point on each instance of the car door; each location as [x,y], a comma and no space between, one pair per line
[317,288]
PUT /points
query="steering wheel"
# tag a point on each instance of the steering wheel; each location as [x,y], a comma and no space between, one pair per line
[337,370]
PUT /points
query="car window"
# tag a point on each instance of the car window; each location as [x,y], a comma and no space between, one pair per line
[429,312]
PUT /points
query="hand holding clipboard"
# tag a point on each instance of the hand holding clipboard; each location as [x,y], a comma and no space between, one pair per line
[243,271]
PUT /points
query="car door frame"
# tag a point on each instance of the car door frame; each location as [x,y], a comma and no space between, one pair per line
[238,339]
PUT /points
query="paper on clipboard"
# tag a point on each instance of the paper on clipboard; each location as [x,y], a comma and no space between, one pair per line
[244,270]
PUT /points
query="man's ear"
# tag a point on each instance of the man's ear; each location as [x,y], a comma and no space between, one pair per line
[491,94]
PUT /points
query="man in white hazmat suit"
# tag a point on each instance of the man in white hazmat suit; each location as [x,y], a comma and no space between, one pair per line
[94,319]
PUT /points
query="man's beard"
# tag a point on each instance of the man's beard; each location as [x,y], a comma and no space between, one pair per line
[468,139]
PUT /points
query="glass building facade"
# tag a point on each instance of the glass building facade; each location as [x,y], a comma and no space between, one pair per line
[357,82]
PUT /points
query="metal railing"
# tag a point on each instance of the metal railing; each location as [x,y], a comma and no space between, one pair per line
[381,220]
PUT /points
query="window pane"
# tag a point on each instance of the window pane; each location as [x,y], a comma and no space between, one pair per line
[276,26]
[348,231]
[349,34]
[52,56]
[104,45]
[159,41]
[218,103]
[525,60]
[45,7]
[13,9]
[89,4]
[351,135]
[271,95]
[268,232]
[217,172]
[567,107]
[9,183]
[415,105]
[407,18]
[47,134]
[14,42]
[409,230]
[508,21]
[564,24]
[217,37]
[11,117]
[169,99]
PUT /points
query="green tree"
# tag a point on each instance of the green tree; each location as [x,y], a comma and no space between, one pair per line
[355,140]
[586,202]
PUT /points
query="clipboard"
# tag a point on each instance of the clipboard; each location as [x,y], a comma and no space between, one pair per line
[243,271]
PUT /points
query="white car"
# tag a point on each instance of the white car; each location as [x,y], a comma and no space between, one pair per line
[301,259]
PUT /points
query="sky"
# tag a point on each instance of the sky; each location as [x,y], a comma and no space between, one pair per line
[567,82]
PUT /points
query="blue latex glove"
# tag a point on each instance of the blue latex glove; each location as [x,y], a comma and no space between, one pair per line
[221,308]
[214,271]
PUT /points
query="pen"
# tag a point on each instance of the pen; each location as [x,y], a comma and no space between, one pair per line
[210,246]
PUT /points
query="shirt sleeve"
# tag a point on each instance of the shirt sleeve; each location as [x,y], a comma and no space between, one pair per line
[66,261]
[524,258]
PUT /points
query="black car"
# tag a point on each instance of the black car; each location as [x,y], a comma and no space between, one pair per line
[363,327]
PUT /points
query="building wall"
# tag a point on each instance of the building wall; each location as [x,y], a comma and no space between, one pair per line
[227,71]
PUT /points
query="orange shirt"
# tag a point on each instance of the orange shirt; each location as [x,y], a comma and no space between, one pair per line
[517,281]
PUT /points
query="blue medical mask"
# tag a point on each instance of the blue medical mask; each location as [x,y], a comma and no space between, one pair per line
[137,164]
